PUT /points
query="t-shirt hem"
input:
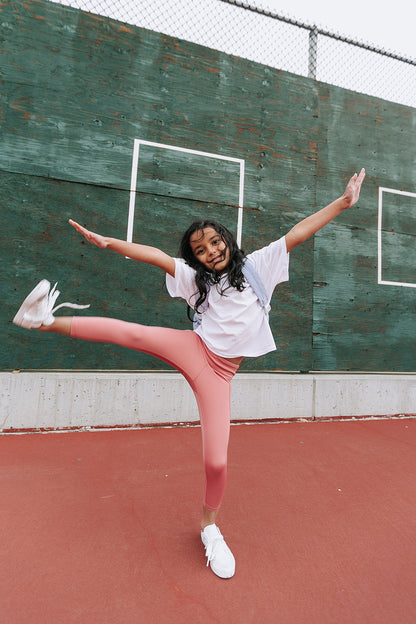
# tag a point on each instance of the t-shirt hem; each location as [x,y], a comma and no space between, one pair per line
[236,355]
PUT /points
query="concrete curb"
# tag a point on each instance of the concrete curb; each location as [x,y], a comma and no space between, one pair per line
[45,400]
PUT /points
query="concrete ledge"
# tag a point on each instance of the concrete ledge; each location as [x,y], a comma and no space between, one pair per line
[364,395]
[33,401]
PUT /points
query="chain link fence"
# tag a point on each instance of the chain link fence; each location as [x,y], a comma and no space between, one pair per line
[252,31]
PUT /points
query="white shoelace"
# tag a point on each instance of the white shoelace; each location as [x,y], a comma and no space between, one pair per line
[212,546]
[54,294]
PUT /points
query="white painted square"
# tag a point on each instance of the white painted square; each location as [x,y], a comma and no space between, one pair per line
[381,191]
[134,173]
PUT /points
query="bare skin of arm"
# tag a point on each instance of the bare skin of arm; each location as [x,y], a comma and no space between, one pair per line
[135,251]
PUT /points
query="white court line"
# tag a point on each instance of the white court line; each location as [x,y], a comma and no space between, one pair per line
[133,183]
[381,190]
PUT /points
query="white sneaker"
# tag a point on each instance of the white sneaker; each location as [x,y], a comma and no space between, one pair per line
[218,554]
[37,309]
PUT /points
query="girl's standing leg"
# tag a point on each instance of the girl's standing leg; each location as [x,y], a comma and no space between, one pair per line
[214,411]
[212,390]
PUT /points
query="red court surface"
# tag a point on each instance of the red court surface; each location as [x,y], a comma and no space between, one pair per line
[102,527]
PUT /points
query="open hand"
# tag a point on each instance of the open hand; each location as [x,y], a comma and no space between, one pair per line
[92,237]
[352,192]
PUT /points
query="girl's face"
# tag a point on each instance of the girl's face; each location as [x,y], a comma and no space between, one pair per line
[210,249]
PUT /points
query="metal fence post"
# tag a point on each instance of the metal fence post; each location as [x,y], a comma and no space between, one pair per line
[313,52]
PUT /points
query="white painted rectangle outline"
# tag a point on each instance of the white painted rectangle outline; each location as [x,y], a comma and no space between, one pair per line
[133,184]
[382,189]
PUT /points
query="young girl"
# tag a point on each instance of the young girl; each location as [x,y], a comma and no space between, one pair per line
[233,324]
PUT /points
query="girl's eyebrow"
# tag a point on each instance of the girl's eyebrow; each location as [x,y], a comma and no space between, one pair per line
[197,244]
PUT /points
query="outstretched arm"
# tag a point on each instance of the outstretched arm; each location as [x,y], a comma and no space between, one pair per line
[312,224]
[142,253]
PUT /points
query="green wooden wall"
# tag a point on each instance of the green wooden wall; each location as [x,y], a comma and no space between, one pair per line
[77,89]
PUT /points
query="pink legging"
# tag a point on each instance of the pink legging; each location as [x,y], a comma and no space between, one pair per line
[209,376]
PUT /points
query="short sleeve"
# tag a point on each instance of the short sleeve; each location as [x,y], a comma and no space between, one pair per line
[272,264]
[183,283]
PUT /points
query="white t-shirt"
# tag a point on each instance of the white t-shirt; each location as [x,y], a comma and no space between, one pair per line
[235,324]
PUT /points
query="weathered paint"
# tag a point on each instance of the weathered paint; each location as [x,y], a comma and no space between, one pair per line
[77,89]
[359,324]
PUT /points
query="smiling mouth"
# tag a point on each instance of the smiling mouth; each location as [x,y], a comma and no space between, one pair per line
[217,260]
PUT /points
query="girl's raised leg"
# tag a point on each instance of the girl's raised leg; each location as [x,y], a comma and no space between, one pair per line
[61,325]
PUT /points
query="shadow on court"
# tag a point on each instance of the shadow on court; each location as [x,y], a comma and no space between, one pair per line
[103,527]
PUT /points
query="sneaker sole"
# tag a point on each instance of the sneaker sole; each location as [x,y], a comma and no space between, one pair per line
[224,574]
[38,292]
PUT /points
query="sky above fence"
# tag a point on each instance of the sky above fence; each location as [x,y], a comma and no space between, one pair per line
[386,25]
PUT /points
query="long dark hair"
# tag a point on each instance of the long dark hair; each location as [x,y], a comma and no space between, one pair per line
[203,276]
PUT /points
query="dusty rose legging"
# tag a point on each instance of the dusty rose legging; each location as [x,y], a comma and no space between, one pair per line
[209,376]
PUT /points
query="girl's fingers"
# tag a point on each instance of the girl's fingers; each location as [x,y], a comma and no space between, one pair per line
[361,177]
[79,228]
[76,225]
